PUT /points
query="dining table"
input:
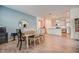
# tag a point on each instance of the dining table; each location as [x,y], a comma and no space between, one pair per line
[27,34]
[30,33]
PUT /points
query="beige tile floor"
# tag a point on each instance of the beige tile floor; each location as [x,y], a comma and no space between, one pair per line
[52,44]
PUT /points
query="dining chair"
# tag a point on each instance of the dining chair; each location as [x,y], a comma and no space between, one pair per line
[21,38]
[34,39]
[31,40]
[42,37]
[37,39]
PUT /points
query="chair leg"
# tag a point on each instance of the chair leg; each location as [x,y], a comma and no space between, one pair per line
[34,42]
[20,45]
[25,43]
[30,42]
[43,38]
[39,40]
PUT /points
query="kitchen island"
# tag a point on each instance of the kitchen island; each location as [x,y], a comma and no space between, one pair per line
[54,31]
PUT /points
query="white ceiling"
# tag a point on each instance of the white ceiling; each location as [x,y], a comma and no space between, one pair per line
[42,10]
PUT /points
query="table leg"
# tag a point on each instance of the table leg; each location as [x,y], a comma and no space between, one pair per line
[27,42]
[13,38]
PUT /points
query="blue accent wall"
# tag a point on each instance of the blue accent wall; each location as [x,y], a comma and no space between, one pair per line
[10,19]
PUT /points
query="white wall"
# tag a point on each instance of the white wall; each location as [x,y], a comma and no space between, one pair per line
[74,13]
